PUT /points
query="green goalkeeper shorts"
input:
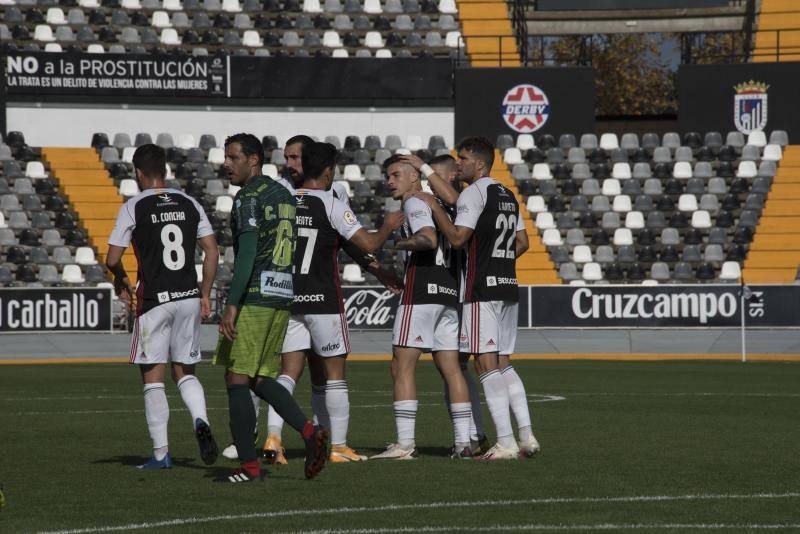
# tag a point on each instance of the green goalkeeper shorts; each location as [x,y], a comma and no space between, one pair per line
[259,339]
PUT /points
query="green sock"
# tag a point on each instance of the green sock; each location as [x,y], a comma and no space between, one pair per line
[282,402]
[243,419]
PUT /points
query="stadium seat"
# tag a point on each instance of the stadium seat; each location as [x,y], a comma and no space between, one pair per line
[71,274]
[352,274]
[512,156]
[55,15]
[611,187]
[730,271]
[35,170]
[682,170]
[85,256]
[592,272]
[160,19]
[551,238]
[223,204]
[622,204]
[43,33]
[544,221]
[609,141]
[772,152]
[757,138]
[622,236]
[352,173]
[582,254]
[128,188]
[621,171]
[747,169]
[541,171]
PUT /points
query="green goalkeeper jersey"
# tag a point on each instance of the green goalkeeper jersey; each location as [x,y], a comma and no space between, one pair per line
[266,207]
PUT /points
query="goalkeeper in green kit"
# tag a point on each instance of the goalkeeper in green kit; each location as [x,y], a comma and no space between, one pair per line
[257,310]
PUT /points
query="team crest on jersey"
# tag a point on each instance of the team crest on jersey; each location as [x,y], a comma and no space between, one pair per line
[525,108]
[750,106]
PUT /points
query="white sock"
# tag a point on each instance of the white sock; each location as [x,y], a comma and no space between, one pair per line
[156,411]
[519,402]
[275,421]
[257,407]
[193,397]
[496,392]
[460,413]
[319,408]
[476,430]
[405,417]
[337,401]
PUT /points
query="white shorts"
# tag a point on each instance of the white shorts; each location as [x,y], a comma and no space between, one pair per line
[489,327]
[426,326]
[170,332]
[325,333]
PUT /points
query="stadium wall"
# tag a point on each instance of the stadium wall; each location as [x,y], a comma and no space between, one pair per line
[743,96]
[72,126]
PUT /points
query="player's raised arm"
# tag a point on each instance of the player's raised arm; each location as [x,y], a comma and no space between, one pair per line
[438,184]
[423,233]
[372,241]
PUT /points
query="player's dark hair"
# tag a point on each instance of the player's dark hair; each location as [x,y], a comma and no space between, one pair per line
[450,161]
[480,147]
[304,141]
[250,145]
[317,157]
[151,161]
[391,160]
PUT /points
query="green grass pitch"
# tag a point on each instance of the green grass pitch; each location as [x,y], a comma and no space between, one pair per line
[666,446]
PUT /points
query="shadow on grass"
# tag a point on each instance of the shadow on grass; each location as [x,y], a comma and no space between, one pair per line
[135,461]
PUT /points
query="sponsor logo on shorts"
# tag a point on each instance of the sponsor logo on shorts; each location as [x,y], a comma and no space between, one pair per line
[330,347]
[163,296]
[491,343]
[463,339]
[194,354]
[181,294]
[419,340]
[432,289]
[491,281]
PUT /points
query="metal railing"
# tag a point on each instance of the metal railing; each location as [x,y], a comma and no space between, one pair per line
[505,47]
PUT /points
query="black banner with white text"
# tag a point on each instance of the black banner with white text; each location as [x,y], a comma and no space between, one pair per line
[55,309]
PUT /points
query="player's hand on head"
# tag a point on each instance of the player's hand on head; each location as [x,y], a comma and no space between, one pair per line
[227,326]
[413,160]
[393,219]
[205,308]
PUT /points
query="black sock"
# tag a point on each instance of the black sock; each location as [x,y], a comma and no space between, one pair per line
[282,401]
[243,419]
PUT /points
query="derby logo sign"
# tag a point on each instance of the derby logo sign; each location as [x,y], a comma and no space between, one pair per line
[525,108]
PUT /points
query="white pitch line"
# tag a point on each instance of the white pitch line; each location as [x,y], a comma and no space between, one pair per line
[559,527]
[423,506]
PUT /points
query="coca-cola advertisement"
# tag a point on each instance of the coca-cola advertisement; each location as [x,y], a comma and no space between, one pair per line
[369,307]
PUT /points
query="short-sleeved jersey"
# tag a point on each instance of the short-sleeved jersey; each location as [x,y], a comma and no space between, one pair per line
[163,225]
[323,221]
[430,277]
[337,189]
[492,212]
[266,207]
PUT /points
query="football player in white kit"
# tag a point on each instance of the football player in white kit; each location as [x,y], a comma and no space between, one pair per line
[318,326]
[163,225]
[489,226]
[426,319]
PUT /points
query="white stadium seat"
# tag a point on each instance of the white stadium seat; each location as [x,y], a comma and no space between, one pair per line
[525,142]
[352,273]
[609,141]
[582,254]
[541,171]
[592,272]
[216,155]
[224,204]
[352,173]
[757,138]
[72,274]
[85,256]
[536,204]
[270,169]
[730,271]
[544,220]
[512,156]
[128,188]
[552,238]
[35,169]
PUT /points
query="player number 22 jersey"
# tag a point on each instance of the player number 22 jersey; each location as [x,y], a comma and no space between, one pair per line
[492,212]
